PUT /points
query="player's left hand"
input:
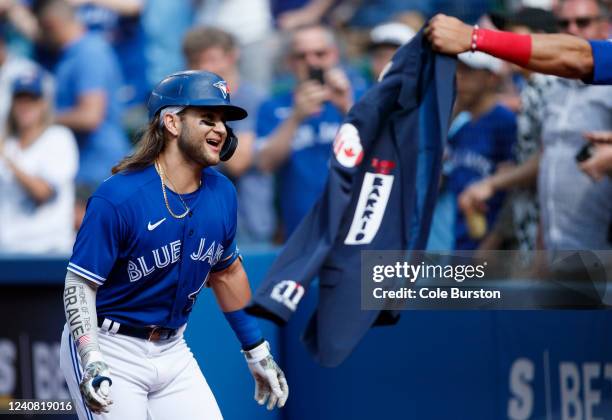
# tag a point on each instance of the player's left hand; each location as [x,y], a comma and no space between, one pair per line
[270,382]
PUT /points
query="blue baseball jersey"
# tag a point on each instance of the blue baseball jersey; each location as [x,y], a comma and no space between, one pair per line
[149,265]
[602,62]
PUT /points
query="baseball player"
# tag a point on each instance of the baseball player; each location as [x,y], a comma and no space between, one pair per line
[558,54]
[154,234]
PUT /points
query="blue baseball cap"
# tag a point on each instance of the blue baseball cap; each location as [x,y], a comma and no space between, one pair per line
[31,83]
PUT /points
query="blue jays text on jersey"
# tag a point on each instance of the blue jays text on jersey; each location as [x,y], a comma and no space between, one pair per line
[171,253]
[150,266]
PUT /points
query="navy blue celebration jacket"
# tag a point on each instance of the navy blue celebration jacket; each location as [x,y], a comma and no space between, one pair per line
[380,195]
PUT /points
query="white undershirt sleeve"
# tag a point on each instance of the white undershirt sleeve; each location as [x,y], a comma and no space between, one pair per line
[81,316]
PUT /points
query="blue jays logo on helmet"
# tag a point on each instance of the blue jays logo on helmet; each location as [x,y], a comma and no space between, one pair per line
[222,86]
[194,88]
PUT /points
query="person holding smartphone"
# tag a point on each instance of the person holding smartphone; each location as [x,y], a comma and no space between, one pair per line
[575,211]
[295,130]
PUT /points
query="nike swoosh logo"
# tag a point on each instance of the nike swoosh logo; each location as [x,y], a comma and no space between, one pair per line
[152,227]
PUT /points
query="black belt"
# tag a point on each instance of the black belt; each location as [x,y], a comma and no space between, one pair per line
[152,333]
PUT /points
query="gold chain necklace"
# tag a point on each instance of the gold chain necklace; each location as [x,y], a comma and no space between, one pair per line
[160,171]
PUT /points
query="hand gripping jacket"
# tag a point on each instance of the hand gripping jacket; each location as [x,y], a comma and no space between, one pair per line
[201,89]
[380,195]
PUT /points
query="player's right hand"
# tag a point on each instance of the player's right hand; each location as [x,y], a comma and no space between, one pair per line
[449,35]
[95,386]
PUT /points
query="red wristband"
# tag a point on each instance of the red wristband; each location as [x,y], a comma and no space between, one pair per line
[515,48]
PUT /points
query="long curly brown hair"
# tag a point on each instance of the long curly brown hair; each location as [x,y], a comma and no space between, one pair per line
[148,148]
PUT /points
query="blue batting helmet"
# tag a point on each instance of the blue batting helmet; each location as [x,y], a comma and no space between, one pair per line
[194,88]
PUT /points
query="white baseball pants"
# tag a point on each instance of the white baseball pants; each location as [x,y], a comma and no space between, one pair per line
[151,380]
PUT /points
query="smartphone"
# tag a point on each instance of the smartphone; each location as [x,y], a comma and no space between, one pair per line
[585,153]
[316,73]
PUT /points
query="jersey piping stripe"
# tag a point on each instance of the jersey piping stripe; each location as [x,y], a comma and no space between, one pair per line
[77,270]
[86,271]
[222,265]
[77,370]
[77,374]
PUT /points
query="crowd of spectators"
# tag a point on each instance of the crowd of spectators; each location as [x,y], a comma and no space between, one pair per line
[75,76]
[556,188]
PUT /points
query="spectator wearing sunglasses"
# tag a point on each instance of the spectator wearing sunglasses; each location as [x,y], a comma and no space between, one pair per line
[578,24]
[586,56]
[573,207]
[295,130]
[584,19]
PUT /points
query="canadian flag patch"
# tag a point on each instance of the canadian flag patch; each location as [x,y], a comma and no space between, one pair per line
[347,146]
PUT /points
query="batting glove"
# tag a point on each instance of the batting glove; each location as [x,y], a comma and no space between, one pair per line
[270,382]
[95,386]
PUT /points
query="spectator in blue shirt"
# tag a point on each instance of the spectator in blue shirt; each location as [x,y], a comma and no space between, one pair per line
[119,22]
[165,24]
[481,137]
[88,78]
[295,130]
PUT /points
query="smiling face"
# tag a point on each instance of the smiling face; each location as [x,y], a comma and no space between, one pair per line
[202,135]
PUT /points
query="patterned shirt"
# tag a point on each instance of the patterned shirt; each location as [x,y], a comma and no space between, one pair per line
[576,211]
[525,210]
